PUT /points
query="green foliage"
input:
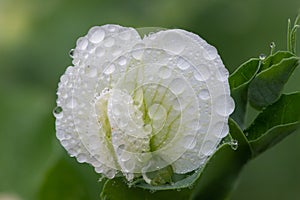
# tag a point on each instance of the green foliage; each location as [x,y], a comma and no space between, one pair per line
[267,86]
[275,123]
[65,172]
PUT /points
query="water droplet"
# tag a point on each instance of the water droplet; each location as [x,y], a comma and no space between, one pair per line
[125,35]
[110,69]
[57,112]
[109,42]
[129,165]
[81,158]
[191,187]
[272,46]
[71,53]
[157,112]
[120,149]
[173,42]
[148,128]
[91,71]
[82,43]
[262,56]
[152,191]
[204,94]
[125,156]
[105,90]
[96,34]
[234,144]
[100,51]
[164,72]
[177,86]
[210,53]
[130,177]
[203,74]
[224,105]
[122,61]
[112,28]
[138,51]
[221,129]
[182,63]
[71,103]
[151,35]
[208,147]
[110,174]
[189,141]
[222,74]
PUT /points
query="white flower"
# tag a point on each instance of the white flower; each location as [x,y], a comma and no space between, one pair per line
[134,105]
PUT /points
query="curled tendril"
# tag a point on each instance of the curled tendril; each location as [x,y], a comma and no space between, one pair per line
[135,106]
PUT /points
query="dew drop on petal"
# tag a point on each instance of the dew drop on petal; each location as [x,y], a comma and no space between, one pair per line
[148,128]
[182,63]
[208,147]
[189,141]
[221,129]
[82,43]
[203,74]
[204,94]
[177,86]
[71,103]
[58,112]
[224,105]
[164,72]
[110,69]
[157,112]
[125,156]
[91,71]
[99,51]
[110,174]
[109,42]
[81,158]
[122,61]
[210,53]
[96,35]
[125,35]
[138,51]
[71,53]
[129,165]
[222,74]
[173,42]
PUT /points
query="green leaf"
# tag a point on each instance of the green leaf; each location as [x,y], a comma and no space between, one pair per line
[275,123]
[69,180]
[275,59]
[239,82]
[267,86]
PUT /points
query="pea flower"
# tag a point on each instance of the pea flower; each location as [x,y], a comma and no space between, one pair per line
[132,105]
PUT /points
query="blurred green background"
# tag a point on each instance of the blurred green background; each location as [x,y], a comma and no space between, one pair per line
[35,38]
